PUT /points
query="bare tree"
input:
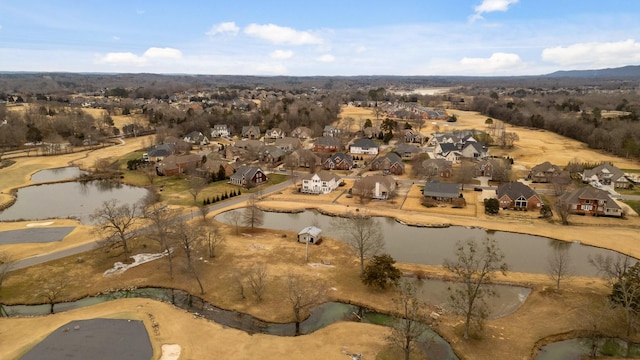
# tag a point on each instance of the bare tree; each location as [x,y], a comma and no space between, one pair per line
[303,294]
[257,277]
[363,233]
[115,223]
[625,295]
[252,216]
[238,279]
[412,323]
[363,189]
[563,209]
[611,268]
[196,185]
[190,239]
[474,267]
[234,218]
[559,264]
[163,220]
[213,238]
[53,289]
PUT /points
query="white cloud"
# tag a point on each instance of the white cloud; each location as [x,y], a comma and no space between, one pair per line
[128,58]
[281,35]
[282,54]
[162,53]
[488,6]
[224,28]
[360,49]
[327,58]
[116,38]
[497,62]
[122,58]
[595,53]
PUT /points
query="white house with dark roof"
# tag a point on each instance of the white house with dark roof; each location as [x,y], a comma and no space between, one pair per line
[322,182]
[364,146]
[606,174]
[220,130]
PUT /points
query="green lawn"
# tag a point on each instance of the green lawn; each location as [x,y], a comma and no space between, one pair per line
[175,189]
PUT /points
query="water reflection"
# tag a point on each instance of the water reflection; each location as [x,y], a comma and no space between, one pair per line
[57,174]
[320,317]
[77,199]
[430,246]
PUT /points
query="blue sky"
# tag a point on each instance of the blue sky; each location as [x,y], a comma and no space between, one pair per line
[303,38]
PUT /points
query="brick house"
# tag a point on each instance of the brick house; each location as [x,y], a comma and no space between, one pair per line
[518,196]
[590,201]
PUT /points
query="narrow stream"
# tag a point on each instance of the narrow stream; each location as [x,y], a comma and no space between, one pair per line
[321,316]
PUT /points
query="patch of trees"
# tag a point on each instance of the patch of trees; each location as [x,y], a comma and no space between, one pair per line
[575,116]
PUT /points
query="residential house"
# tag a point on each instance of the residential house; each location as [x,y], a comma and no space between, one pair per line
[179,145]
[288,144]
[234,153]
[544,173]
[364,146]
[248,176]
[590,201]
[220,130]
[251,132]
[438,191]
[250,145]
[310,235]
[212,166]
[518,196]
[474,150]
[390,163]
[372,132]
[304,158]
[270,154]
[327,144]
[275,133]
[412,136]
[302,132]
[496,169]
[374,187]
[338,161]
[196,138]
[606,174]
[331,131]
[434,168]
[407,151]
[322,182]
[179,164]
[449,152]
[158,152]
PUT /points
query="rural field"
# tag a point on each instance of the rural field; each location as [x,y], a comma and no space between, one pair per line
[545,312]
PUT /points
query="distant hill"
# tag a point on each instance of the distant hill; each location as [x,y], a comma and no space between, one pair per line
[625,72]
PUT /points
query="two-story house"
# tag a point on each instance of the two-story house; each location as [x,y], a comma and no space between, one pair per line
[322,182]
[590,201]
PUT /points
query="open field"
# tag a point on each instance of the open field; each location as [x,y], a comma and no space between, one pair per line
[545,312]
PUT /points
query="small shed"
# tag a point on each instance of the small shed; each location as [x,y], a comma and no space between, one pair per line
[310,234]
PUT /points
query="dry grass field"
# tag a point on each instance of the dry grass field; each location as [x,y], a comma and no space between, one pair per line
[545,312]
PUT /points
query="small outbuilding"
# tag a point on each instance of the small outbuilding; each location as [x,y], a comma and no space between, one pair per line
[310,234]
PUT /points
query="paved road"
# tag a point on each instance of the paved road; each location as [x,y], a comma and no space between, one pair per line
[92,245]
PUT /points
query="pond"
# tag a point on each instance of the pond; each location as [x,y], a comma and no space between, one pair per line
[57,174]
[430,246]
[321,316]
[77,199]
